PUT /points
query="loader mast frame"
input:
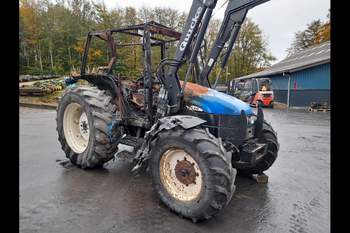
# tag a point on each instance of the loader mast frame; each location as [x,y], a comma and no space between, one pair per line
[235,15]
[192,39]
[188,48]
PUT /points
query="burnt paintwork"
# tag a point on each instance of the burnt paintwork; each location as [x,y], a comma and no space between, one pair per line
[215,102]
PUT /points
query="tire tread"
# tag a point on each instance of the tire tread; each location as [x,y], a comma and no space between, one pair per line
[222,174]
[102,107]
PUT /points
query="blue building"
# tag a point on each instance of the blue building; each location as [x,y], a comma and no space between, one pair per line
[301,78]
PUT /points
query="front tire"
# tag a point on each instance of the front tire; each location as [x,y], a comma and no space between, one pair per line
[84,118]
[191,173]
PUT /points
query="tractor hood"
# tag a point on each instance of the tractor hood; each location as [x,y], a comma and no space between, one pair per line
[214,102]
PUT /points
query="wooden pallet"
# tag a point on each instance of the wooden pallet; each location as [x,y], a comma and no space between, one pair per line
[319,109]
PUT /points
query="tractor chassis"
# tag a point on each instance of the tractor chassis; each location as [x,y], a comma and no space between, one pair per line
[193,153]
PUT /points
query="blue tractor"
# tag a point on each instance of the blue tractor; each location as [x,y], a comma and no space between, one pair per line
[193,138]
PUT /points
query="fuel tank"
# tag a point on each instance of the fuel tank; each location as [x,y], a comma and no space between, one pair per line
[214,102]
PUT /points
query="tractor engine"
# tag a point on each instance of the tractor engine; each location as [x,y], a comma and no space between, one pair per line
[242,131]
[134,93]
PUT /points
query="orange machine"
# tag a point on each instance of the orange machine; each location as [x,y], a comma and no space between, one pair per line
[255,91]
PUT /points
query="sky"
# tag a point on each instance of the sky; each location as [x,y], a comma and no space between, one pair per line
[278,19]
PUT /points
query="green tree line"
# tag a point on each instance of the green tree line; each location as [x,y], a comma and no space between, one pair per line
[53,33]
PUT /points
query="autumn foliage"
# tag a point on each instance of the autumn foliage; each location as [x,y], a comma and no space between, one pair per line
[53,33]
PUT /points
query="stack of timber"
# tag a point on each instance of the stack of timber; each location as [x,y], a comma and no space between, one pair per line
[29,78]
[41,88]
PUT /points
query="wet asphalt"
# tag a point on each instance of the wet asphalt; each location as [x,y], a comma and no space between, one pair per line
[58,199]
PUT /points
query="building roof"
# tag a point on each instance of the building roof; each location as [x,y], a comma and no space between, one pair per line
[313,56]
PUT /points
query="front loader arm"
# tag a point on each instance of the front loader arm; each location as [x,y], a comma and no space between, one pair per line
[235,14]
[200,13]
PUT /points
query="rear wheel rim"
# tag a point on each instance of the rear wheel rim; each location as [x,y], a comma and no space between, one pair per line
[76,127]
[180,175]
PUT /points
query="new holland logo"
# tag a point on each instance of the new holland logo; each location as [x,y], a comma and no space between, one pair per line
[189,32]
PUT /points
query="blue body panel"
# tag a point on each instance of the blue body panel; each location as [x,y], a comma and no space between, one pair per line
[215,102]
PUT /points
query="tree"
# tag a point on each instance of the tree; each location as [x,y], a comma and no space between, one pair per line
[53,34]
[32,35]
[306,38]
[316,32]
[324,33]
[166,16]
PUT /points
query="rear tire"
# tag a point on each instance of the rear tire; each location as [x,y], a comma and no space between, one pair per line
[268,136]
[208,192]
[95,147]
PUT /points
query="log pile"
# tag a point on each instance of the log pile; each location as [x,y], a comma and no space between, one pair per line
[42,88]
[29,78]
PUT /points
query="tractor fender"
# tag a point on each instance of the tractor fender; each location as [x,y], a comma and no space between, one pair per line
[170,122]
[165,123]
[185,121]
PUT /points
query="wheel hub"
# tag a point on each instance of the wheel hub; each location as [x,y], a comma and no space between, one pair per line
[84,126]
[180,175]
[76,127]
[185,172]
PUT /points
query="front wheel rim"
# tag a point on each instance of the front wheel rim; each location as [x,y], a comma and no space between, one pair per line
[180,175]
[76,127]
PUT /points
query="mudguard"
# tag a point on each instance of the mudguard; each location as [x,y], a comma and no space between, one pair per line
[185,121]
[165,123]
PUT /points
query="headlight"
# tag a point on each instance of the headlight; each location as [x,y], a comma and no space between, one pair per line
[251,119]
